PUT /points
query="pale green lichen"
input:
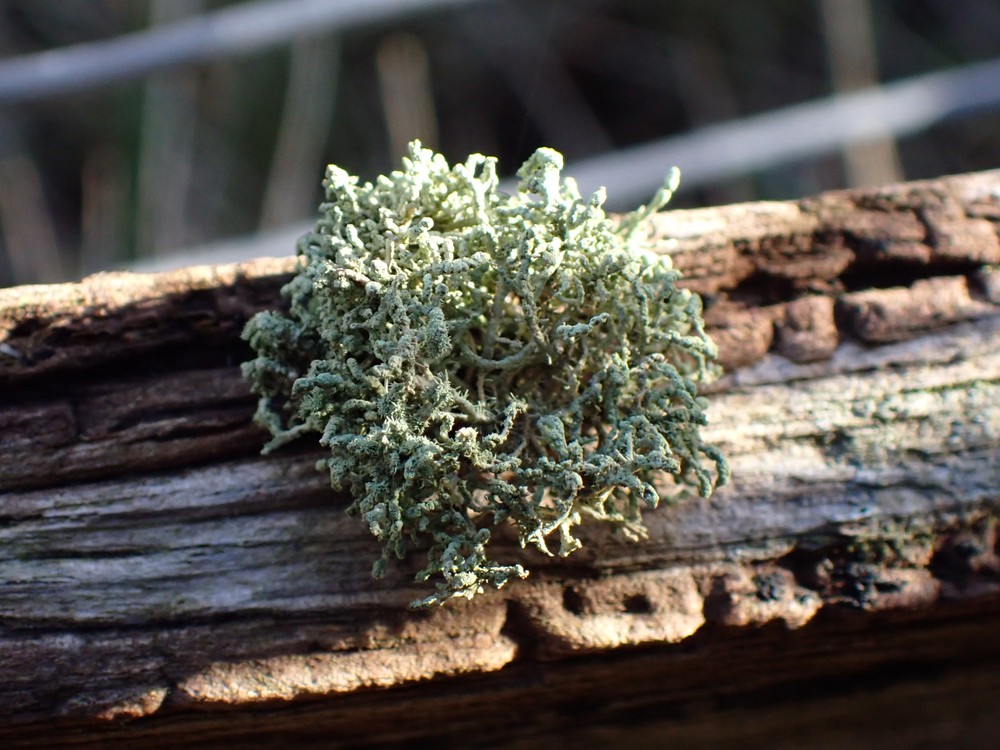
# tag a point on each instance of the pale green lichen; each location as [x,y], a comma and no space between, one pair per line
[471,358]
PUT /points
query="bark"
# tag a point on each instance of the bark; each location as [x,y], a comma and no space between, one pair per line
[160,582]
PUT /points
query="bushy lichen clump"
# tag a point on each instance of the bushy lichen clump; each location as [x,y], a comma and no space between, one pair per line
[471,358]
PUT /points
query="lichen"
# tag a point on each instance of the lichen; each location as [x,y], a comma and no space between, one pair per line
[470,358]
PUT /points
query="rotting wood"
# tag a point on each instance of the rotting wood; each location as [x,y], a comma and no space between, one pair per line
[152,565]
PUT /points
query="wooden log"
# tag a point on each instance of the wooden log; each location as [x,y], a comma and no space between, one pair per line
[162,583]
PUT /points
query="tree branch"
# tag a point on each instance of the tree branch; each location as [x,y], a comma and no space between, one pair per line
[153,565]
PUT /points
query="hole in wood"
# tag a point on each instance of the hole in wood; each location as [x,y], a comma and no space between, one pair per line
[572,601]
[637,604]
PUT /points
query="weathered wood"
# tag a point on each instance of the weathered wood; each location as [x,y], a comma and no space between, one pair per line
[154,567]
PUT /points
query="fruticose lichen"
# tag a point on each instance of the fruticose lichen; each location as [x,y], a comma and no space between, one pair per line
[471,358]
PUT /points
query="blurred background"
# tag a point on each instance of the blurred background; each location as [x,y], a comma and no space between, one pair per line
[154,133]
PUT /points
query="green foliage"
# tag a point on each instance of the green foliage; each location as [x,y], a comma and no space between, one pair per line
[471,358]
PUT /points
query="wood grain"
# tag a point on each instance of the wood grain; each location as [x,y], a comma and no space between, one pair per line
[154,568]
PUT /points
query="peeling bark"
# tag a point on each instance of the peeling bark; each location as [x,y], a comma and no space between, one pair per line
[154,568]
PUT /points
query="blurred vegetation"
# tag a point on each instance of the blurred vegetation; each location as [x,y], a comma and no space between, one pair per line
[135,170]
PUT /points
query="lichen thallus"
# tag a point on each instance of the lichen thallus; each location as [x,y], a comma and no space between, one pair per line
[470,358]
